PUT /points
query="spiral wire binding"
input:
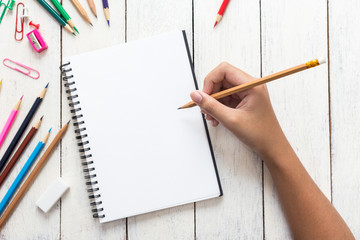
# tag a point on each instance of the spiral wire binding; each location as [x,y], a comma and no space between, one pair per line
[83,142]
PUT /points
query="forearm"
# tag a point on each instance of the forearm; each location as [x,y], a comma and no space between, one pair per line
[309,213]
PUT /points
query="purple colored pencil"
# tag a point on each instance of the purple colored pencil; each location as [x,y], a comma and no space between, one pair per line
[106,11]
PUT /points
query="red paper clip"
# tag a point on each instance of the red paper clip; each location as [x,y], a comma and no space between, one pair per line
[29,71]
[21,31]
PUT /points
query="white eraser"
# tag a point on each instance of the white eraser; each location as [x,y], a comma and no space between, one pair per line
[52,195]
[322,60]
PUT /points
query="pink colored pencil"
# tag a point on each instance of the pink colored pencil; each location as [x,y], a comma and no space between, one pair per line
[9,121]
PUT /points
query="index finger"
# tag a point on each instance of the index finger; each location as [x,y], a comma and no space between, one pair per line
[227,73]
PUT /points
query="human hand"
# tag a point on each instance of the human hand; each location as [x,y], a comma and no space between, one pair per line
[248,114]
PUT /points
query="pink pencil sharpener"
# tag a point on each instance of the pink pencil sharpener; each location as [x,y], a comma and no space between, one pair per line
[36,41]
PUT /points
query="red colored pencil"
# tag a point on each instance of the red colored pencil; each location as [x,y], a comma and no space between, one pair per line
[221,11]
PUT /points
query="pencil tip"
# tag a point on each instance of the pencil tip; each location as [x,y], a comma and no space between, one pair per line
[50,130]
[47,85]
[91,24]
[178,108]
[68,122]
[76,30]
[41,117]
[74,34]
[215,24]
[21,98]
[108,21]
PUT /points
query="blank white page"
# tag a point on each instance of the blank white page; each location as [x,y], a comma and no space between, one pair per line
[147,154]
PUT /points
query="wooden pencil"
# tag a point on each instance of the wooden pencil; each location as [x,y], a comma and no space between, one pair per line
[1,83]
[22,128]
[10,121]
[221,11]
[20,151]
[30,179]
[92,7]
[106,11]
[24,170]
[272,77]
[82,11]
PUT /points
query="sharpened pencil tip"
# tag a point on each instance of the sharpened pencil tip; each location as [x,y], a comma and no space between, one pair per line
[50,130]
[21,98]
[215,24]
[178,108]
[68,122]
[74,34]
[47,85]
[76,30]
[91,24]
[108,21]
[41,117]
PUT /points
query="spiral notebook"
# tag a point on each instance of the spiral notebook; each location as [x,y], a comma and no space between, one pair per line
[140,154]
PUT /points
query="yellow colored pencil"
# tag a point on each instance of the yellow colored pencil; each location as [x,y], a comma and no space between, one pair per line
[261,81]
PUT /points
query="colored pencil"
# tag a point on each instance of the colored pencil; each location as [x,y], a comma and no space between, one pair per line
[272,77]
[82,11]
[20,177]
[56,15]
[221,11]
[20,150]
[10,121]
[106,11]
[30,179]
[1,83]
[92,7]
[22,128]
[63,13]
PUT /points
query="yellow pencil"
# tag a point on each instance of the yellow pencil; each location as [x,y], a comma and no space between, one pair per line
[1,83]
[261,81]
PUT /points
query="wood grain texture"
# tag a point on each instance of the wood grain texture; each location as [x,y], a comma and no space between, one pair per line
[34,224]
[345,109]
[292,32]
[76,215]
[147,18]
[236,39]
[296,34]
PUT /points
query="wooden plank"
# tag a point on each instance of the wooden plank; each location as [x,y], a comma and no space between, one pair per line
[76,216]
[236,39]
[34,223]
[293,33]
[345,109]
[147,18]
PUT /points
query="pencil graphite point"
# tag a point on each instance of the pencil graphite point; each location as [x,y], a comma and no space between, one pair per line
[47,85]
[76,30]
[215,24]
[108,21]
[41,117]
[50,130]
[68,122]
[91,24]
[21,97]
[74,34]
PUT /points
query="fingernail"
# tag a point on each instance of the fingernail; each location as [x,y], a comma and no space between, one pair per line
[196,97]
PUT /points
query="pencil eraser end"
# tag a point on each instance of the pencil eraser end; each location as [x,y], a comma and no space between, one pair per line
[322,60]
[52,195]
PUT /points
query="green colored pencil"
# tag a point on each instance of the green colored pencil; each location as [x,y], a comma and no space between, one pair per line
[56,15]
[64,14]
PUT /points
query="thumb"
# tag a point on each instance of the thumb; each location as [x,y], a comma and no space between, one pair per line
[210,105]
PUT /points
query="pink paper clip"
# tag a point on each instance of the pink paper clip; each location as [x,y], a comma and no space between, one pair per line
[28,71]
[36,41]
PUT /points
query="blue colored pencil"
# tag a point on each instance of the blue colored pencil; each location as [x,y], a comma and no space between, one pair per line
[23,172]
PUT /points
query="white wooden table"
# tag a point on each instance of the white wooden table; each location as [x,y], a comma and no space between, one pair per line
[318,109]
